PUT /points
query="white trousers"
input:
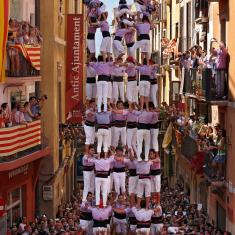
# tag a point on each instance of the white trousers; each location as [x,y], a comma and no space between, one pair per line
[119,179]
[132,184]
[102,140]
[110,91]
[143,135]
[131,91]
[119,132]
[154,139]
[131,52]
[101,185]
[153,94]
[118,91]
[106,45]
[156,228]
[91,45]
[102,94]
[144,45]
[91,91]
[90,134]
[144,186]
[144,88]
[89,183]
[118,48]
[110,189]
[156,183]
[131,138]
[120,225]
[98,230]
[86,226]
[143,231]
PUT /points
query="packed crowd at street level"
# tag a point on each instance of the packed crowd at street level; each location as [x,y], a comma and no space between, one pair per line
[122,184]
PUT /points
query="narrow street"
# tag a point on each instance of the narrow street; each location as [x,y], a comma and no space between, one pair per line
[116,117]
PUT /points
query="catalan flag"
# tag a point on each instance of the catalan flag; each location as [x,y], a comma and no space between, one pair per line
[31,53]
[4,12]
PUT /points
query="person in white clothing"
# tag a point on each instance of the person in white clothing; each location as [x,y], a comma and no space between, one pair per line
[88,173]
[91,81]
[143,217]
[89,125]
[119,122]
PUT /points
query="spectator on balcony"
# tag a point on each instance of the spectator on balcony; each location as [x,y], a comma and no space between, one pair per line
[7,116]
[27,112]
[221,64]
[220,158]
[19,115]
[34,37]
[2,123]
[13,54]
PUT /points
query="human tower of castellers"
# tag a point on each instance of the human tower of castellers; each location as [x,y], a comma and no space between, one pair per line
[121,177]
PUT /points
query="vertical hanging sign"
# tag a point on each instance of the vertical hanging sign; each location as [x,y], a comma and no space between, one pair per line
[74,68]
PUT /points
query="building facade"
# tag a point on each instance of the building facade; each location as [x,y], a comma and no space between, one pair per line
[195,22]
[22,146]
[58,174]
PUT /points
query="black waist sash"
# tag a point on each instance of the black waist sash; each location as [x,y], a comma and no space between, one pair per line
[119,215]
[144,78]
[90,80]
[144,126]
[130,79]
[118,38]
[119,170]
[119,123]
[157,220]
[103,126]
[132,220]
[85,215]
[88,168]
[102,174]
[89,123]
[105,34]
[143,224]
[153,81]
[100,223]
[144,37]
[144,176]
[91,36]
[155,125]
[104,78]
[132,172]
[131,125]
[155,171]
[117,78]
[131,44]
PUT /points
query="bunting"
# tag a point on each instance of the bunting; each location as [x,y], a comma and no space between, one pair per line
[4,12]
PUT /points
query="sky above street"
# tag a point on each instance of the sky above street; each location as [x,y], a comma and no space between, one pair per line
[110,4]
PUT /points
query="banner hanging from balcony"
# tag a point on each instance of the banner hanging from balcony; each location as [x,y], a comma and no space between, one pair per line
[19,138]
[74,68]
[31,53]
[4,11]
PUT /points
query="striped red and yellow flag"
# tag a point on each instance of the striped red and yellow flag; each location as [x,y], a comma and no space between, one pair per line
[4,12]
[31,53]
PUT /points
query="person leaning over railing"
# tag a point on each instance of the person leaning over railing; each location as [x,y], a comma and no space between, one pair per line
[219,160]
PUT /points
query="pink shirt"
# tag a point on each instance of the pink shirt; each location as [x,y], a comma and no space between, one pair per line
[19,117]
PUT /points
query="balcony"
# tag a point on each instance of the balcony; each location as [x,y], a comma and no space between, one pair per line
[23,63]
[21,144]
[200,84]
[216,176]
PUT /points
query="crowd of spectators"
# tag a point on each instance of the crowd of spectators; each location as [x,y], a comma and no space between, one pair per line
[210,139]
[21,113]
[217,60]
[179,217]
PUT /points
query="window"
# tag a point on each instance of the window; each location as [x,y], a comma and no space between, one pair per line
[14,206]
